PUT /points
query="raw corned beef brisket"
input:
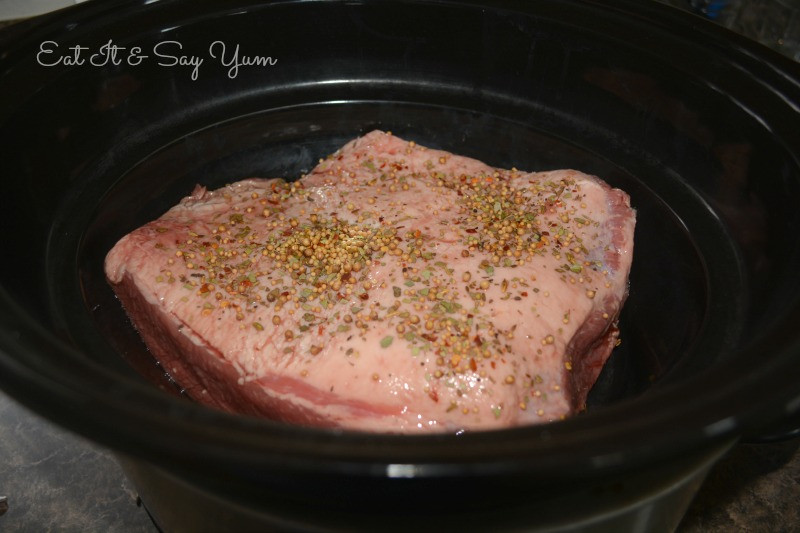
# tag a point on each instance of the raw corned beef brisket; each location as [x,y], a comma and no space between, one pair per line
[394,288]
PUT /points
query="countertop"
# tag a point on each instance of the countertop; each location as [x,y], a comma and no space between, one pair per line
[53,480]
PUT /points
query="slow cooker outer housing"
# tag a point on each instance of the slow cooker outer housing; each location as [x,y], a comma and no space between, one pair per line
[702,124]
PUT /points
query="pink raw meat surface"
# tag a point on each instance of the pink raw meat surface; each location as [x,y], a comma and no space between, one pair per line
[394,288]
